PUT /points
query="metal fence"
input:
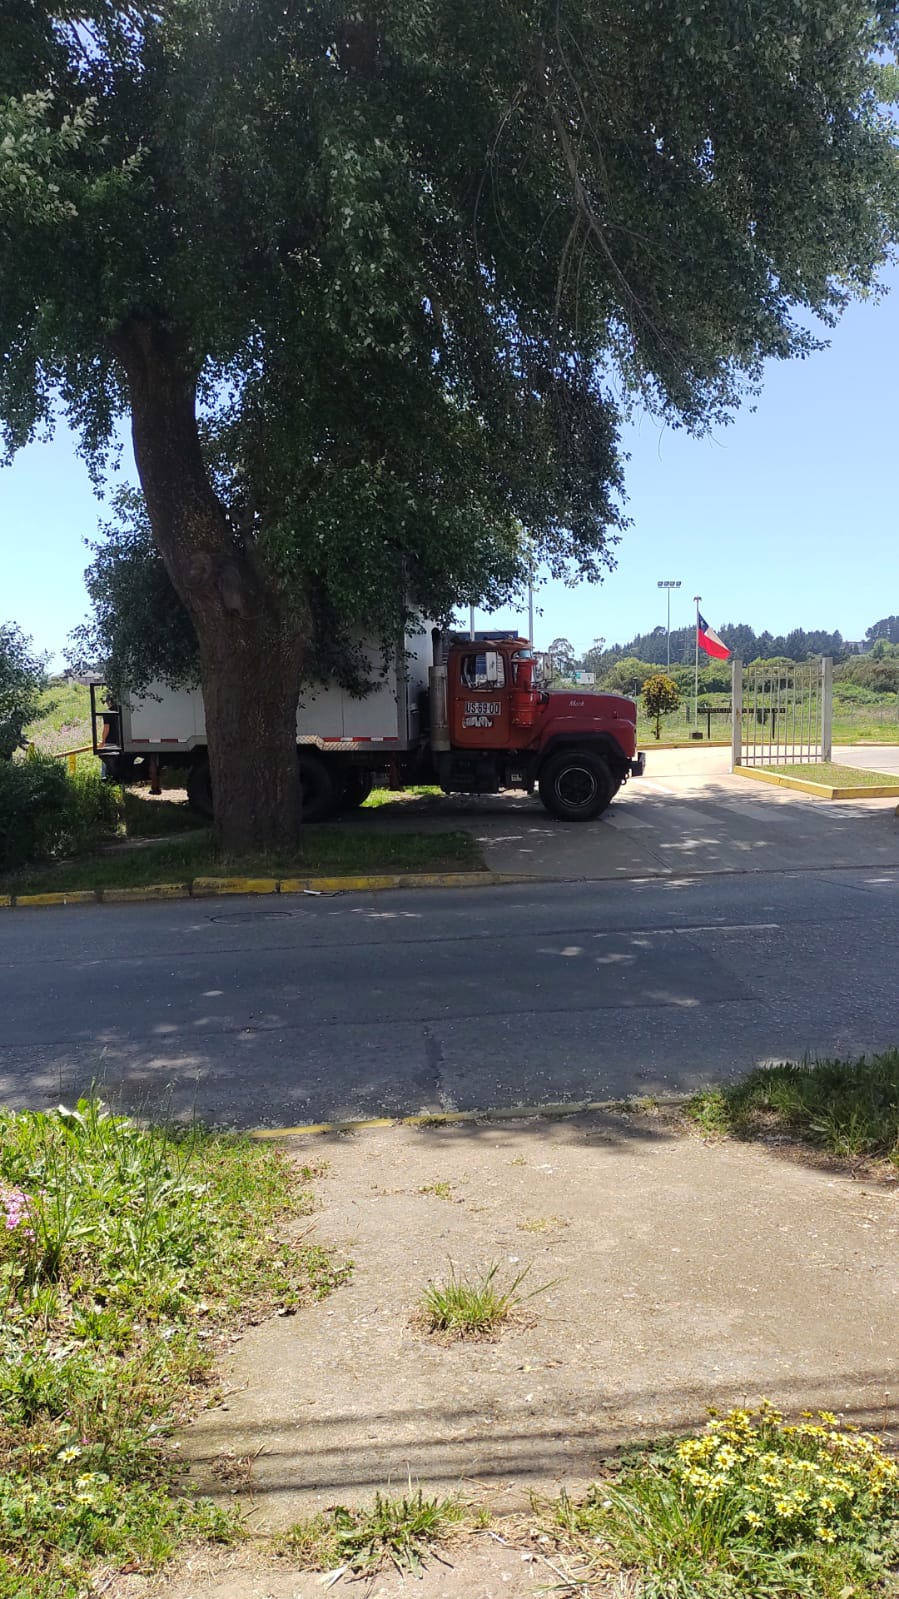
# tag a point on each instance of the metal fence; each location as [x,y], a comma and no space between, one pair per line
[782,716]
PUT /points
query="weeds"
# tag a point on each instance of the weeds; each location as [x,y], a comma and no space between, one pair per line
[439,1190]
[124,1255]
[397,1532]
[464,1309]
[754,1506]
[850,1108]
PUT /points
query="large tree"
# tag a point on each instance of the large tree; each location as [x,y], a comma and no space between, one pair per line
[395,258]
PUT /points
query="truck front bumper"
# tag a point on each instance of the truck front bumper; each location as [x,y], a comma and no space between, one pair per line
[638,764]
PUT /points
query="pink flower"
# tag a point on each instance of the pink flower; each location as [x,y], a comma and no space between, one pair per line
[17,1208]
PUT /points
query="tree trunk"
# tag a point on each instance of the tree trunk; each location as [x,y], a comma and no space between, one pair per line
[252,639]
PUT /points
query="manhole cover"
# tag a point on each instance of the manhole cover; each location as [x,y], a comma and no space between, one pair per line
[251,916]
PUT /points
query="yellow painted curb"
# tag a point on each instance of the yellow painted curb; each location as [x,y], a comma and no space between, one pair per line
[821,790]
[202,887]
[373,883]
[440,1118]
[212,887]
[86,896]
[116,896]
[691,744]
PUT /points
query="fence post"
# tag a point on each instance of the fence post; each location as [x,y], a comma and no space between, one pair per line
[826,707]
[71,763]
[736,701]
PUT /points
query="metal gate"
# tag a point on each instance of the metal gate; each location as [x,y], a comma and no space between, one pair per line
[782,715]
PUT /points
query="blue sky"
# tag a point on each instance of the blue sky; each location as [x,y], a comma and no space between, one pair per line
[786,518]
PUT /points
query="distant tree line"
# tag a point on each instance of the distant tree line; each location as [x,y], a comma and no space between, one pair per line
[740,638]
[625,668]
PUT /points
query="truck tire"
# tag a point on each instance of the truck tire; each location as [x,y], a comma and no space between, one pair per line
[199,787]
[320,794]
[575,785]
[356,790]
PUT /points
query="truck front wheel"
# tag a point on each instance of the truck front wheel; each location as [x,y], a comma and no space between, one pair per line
[576,785]
[356,790]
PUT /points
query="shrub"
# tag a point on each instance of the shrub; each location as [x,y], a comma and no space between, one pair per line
[660,696]
[45,812]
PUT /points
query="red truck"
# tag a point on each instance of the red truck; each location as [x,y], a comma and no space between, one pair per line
[469,715]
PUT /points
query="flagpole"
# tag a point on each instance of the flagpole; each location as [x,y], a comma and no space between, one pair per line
[696,600]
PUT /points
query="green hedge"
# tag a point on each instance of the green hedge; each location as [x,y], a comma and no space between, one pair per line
[45,812]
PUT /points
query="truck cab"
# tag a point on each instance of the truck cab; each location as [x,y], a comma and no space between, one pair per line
[494,726]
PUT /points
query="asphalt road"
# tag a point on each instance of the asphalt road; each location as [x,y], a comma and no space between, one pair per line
[262,1012]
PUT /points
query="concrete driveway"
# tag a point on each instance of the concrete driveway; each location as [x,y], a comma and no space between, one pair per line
[687,816]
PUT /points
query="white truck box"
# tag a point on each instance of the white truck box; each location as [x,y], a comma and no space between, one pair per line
[167,720]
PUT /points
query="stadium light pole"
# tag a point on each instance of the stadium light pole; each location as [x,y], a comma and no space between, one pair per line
[669,584]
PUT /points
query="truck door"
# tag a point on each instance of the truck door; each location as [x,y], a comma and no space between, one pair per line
[480,692]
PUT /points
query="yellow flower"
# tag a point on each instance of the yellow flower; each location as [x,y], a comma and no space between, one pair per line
[826,1534]
[784,1507]
[71,1453]
[753,1518]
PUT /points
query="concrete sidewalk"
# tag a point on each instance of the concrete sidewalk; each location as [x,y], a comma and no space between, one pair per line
[679,1276]
[687,816]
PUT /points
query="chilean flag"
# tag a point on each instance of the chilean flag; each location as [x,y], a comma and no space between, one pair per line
[708,640]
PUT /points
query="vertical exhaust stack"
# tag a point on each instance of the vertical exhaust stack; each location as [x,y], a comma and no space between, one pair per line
[439,708]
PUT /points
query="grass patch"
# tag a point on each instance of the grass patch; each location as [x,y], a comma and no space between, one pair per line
[146,817]
[753,1506]
[439,1190]
[848,1107]
[460,1308]
[392,796]
[397,1532]
[327,852]
[64,718]
[833,775]
[125,1255]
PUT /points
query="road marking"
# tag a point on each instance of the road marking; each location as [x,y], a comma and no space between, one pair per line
[711,927]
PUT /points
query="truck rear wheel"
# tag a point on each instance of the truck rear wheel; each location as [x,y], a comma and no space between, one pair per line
[356,790]
[199,787]
[576,785]
[320,794]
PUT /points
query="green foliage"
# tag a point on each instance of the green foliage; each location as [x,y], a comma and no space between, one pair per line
[562,661]
[884,631]
[848,1107]
[754,1506]
[123,1255]
[402,263]
[139,631]
[660,697]
[44,812]
[23,679]
[398,1532]
[627,676]
[878,672]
